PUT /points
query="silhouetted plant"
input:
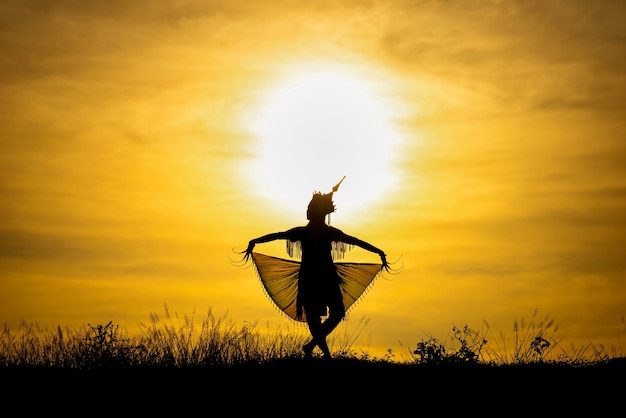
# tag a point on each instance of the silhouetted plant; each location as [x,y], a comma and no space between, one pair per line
[469,350]
[432,351]
[104,346]
[539,345]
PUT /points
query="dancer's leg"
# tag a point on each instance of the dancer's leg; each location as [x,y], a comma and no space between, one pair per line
[315,328]
[336,312]
[318,337]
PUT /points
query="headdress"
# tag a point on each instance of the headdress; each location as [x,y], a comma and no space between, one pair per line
[322,204]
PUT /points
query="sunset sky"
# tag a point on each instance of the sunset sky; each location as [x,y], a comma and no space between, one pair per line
[483,142]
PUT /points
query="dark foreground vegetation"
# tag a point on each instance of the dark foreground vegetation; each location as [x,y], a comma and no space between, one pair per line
[245,366]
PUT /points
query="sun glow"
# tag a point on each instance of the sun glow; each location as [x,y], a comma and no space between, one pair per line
[316,127]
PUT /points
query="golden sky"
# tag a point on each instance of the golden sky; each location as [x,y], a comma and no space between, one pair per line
[132,163]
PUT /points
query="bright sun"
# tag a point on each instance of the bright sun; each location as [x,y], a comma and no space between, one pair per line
[316,127]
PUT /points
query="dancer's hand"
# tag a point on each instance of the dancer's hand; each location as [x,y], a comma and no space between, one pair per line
[383,259]
[249,251]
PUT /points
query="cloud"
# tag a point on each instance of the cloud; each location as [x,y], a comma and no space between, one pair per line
[121,140]
[527,55]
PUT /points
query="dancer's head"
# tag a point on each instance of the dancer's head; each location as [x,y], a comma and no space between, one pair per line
[320,206]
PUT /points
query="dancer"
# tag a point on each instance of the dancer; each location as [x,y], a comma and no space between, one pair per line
[317,285]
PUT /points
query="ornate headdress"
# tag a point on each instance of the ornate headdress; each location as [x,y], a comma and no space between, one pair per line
[322,204]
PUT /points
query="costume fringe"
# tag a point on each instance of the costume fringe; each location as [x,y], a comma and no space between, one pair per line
[294,249]
[338,249]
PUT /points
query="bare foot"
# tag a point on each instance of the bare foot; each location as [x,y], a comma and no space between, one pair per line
[325,350]
[308,349]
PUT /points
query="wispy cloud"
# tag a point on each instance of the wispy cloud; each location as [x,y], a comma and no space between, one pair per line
[122,139]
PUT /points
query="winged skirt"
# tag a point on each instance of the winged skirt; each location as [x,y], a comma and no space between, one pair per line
[280,280]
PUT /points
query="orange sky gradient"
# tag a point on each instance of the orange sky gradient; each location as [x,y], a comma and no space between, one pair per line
[128,158]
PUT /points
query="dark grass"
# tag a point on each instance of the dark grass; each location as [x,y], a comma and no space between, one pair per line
[313,387]
[186,342]
[174,366]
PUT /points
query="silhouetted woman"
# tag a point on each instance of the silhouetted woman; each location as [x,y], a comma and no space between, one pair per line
[319,285]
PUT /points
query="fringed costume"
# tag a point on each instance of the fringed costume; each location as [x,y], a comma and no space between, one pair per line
[279,278]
